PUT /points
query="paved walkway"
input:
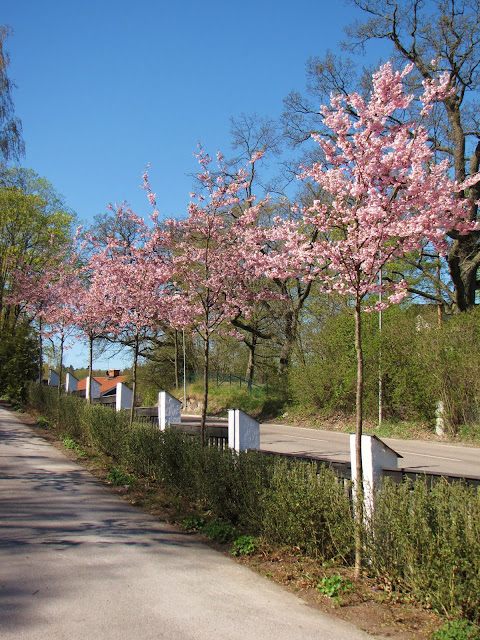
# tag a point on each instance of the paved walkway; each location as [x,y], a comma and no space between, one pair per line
[77,562]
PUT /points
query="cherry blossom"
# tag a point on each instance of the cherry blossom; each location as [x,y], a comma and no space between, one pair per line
[382,197]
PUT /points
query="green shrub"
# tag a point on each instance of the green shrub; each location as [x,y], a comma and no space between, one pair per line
[308,510]
[232,484]
[193,523]
[244,546]
[219,530]
[333,586]
[107,429]
[421,364]
[69,415]
[427,542]
[118,477]
[72,445]
[457,630]
[143,449]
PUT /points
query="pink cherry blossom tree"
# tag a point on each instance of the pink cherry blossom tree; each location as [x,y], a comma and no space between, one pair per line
[86,302]
[61,286]
[44,295]
[212,255]
[131,278]
[383,197]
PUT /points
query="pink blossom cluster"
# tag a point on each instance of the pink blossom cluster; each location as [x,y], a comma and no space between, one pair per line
[382,196]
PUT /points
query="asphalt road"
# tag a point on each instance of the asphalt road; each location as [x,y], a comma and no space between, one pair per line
[77,562]
[416,455]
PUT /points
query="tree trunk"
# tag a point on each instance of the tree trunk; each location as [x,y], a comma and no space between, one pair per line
[464,256]
[463,260]
[60,373]
[90,370]
[176,359]
[251,357]
[206,355]
[358,443]
[40,369]
[134,378]
[380,372]
[290,327]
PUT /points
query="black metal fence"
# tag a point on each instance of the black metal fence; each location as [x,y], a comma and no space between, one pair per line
[106,401]
[216,435]
[219,378]
[147,415]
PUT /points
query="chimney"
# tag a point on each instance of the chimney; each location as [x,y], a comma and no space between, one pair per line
[113,373]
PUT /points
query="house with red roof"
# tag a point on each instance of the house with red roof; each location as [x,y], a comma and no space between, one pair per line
[108,383]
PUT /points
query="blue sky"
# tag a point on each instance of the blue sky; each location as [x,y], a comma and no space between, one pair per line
[105,87]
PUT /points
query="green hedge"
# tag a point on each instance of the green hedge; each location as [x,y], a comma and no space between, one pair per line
[427,541]
[421,541]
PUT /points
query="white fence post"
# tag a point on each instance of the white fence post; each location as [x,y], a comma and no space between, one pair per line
[169,410]
[53,379]
[96,386]
[440,418]
[243,431]
[71,383]
[123,397]
[375,456]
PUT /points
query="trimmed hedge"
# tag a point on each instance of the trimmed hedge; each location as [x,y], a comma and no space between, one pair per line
[421,541]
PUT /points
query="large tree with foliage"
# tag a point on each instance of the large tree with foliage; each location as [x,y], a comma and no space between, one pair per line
[35,228]
[212,266]
[35,225]
[11,142]
[386,197]
[436,37]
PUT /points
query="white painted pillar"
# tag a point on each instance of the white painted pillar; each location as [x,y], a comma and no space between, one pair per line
[71,383]
[53,379]
[243,431]
[169,410]
[375,456]
[123,398]
[95,388]
[440,418]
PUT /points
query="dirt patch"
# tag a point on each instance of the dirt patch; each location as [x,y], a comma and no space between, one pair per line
[363,603]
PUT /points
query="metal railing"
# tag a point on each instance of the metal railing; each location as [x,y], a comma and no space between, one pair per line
[216,435]
[220,378]
[106,401]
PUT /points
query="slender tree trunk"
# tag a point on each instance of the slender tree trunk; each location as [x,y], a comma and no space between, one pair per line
[206,356]
[40,370]
[290,328]
[184,372]
[358,443]
[380,373]
[60,373]
[251,357]
[134,378]
[176,359]
[90,370]
[439,294]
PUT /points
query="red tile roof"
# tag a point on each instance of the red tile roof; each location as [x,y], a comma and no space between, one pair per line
[106,383]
